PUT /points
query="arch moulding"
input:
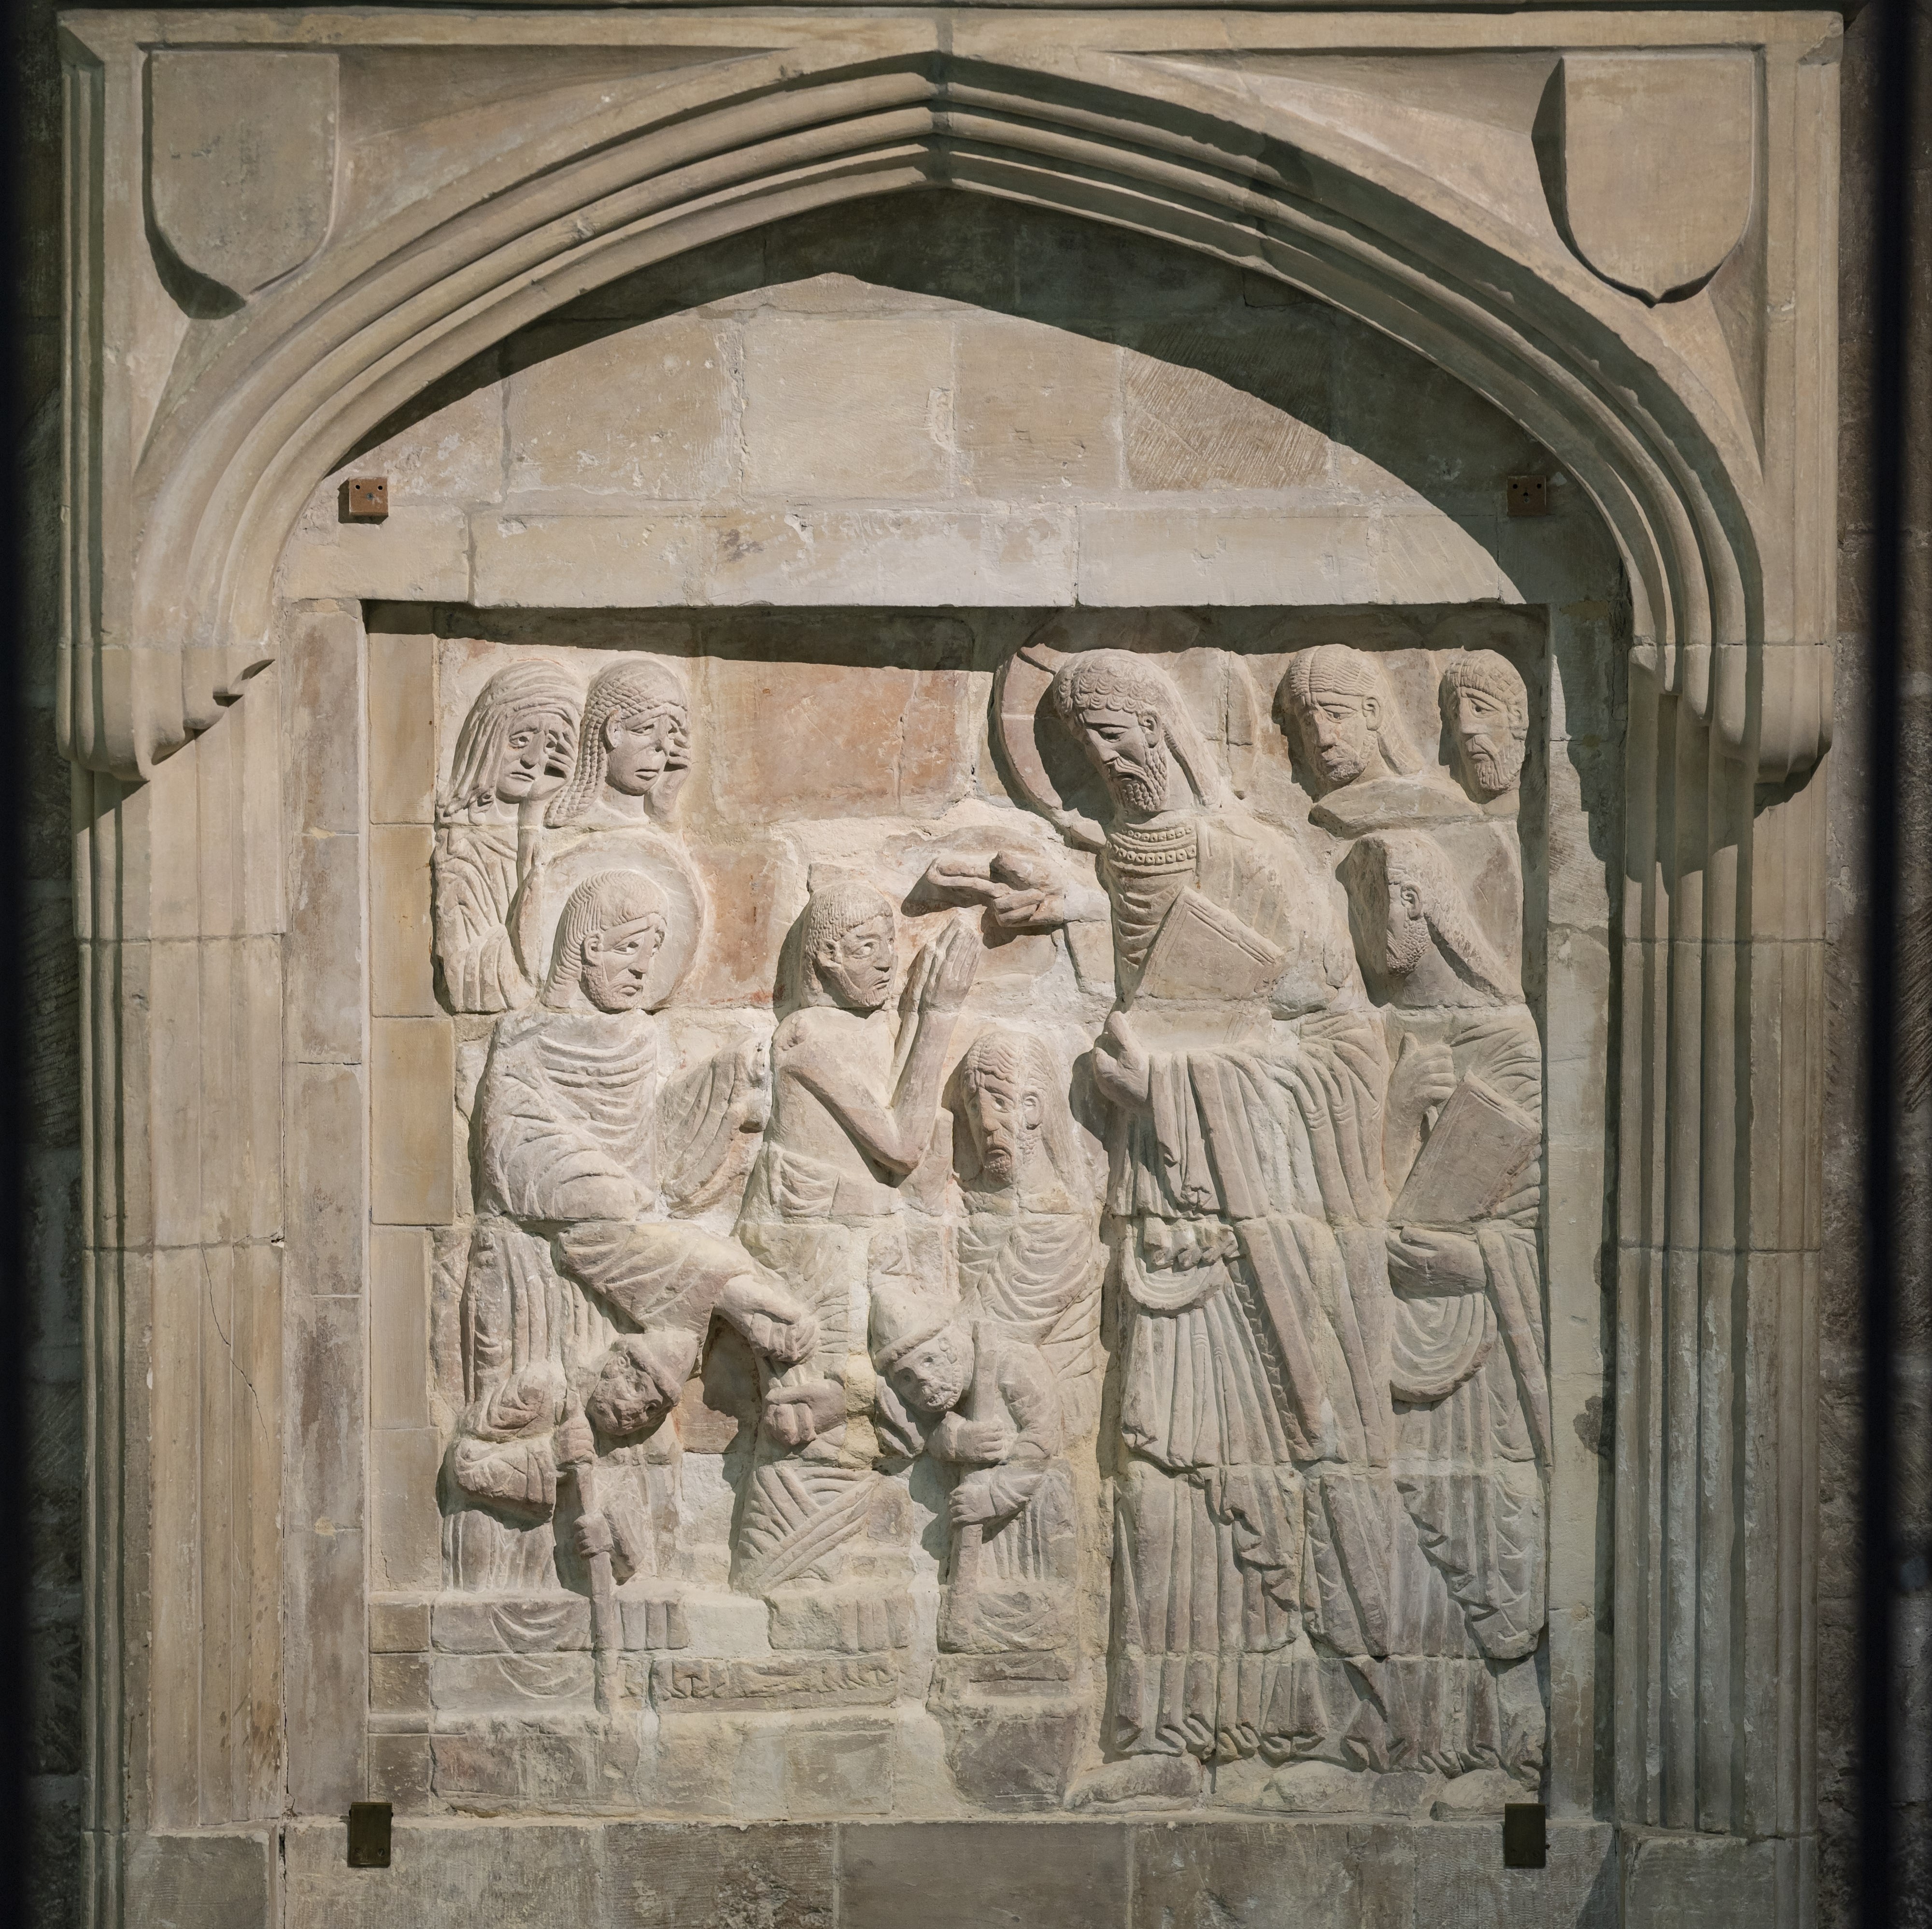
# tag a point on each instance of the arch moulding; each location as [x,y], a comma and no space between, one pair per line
[286,226]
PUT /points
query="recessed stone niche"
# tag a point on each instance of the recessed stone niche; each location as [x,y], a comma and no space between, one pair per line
[960,1104]
[803,1258]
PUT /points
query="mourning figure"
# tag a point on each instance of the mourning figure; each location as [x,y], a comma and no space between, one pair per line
[514,751]
[634,751]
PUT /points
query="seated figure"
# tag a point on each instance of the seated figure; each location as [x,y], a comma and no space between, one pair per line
[584,1300]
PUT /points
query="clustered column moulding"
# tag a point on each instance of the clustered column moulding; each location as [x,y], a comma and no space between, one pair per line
[1099,1327]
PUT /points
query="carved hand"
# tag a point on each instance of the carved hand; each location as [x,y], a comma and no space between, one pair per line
[987,1441]
[1027,893]
[971,1500]
[574,1442]
[1427,1259]
[797,1416]
[1121,1067]
[787,1340]
[955,955]
[593,1535]
[1423,1078]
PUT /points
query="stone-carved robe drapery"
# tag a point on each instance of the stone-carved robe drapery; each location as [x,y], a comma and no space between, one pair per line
[1245,1201]
[830,1228]
[1469,1374]
[473,874]
[1034,1274]
[1011,1578]
[571,1248]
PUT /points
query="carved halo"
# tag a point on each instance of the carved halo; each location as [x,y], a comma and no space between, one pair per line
[569,860]
[1027,731]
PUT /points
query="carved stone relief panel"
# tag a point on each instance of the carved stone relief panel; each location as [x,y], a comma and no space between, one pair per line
[1005,1275]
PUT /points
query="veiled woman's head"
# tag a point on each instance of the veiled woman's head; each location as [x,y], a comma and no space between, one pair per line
[634,748]
[518,743]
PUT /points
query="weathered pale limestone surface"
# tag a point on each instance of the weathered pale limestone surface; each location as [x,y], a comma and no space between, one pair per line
[795,444]
[1293,494]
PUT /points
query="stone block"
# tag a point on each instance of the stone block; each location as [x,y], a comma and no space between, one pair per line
[963,1875]
[444,1872]
[402,979]
[401,1772]
[326,1107]
[402,728]
[203,1880]
[1687,1881]
[1036,410]
[567,562]
[452,453]
[812,553]
[321,695]
[1011,1754]
[865,741]
[1148,557]
[647,411]
[850,1620]
[526,1685]
[398,1327]
[751,885]
[399,1685]
[412,1067]
[406,1547]
[324,999]
[657,1876]
[398,1626]
[474,1624]
[1303,1874]
[848,407]
[415,554]
[325,1669]
[1205,408]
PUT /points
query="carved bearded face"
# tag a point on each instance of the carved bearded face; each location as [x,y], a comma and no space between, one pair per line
[1489,739]
[631,1396]
[617,961]
[1131,753]
[1339,731]
[639,749]
[933,1378]
[538,753]
[856,967]
[1004,1120]
[1405,936]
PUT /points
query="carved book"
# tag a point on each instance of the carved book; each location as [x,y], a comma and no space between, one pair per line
[1478,1145]
[1202,951]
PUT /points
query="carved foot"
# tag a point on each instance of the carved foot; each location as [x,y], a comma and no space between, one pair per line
[1481,1792]
[1175,1781]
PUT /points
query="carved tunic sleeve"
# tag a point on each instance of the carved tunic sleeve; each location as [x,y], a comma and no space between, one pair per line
[473,878]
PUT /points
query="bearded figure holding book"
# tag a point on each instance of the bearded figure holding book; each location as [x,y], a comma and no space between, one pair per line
[1243,1071]
[1461,1133]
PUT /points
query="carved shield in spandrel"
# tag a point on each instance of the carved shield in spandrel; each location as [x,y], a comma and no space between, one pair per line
[1659,164]
[241,161]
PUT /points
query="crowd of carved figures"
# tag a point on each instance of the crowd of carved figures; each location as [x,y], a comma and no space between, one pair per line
[1225,1332]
